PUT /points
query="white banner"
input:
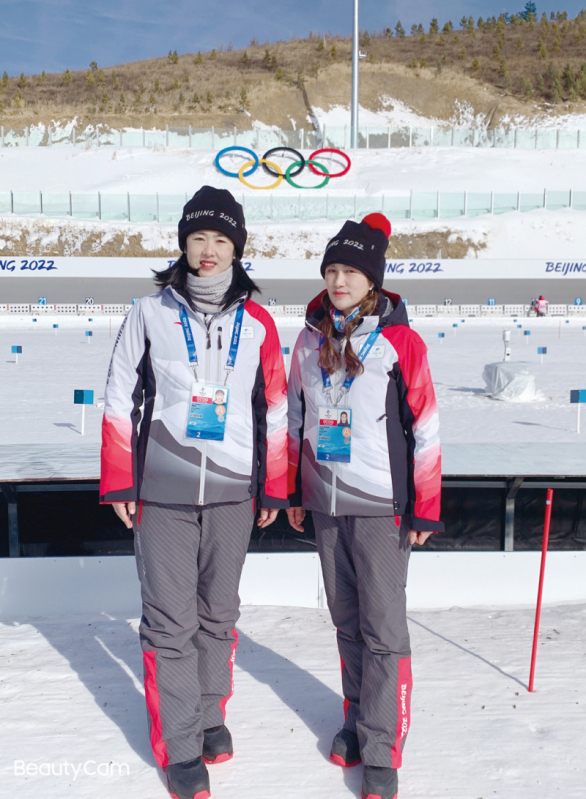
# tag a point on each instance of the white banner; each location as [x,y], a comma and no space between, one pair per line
[293,269]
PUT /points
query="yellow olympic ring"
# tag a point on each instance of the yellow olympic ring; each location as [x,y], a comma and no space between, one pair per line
[261,161]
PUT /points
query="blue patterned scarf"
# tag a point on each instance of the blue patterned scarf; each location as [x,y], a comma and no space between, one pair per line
[340,321]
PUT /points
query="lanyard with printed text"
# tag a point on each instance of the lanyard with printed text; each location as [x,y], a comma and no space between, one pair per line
[234,340]
[346,385]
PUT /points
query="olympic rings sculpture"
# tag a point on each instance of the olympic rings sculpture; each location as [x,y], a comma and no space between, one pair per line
[274,185]
[310,162]
[273,169]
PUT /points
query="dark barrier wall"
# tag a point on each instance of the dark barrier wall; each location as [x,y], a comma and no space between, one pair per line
[49,524]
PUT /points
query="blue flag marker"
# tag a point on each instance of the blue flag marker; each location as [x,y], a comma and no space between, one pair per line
[34,320]
[578,396]
[541,351]
[83,397]
[88,335]
[441,337]
[55,327]
[16,349]
[526,333]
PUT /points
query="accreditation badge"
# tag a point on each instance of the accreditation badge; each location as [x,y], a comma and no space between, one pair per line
[208,408]
[334,434]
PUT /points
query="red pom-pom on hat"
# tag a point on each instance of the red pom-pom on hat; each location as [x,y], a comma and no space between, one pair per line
[378,222]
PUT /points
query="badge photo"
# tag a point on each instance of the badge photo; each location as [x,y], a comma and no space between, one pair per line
[208,409]
[334,434]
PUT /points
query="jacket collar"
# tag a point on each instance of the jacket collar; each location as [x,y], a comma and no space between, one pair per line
[181,300]
[391,311]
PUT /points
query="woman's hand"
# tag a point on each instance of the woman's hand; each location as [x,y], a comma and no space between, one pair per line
[416,537]
[124,510]
[296,516]
[267,516]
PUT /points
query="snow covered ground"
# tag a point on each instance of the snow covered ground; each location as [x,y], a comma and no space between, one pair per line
[37,393]
[73,716]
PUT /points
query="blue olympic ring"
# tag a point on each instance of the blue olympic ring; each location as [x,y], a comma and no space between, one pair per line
[235,174]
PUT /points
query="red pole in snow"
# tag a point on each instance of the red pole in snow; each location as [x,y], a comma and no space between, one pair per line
[548,503]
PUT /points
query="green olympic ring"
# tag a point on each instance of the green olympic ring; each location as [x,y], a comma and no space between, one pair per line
[297,186]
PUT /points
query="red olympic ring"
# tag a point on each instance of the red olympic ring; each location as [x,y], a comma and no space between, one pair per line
[330,150]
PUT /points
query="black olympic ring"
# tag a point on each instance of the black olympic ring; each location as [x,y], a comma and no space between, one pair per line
[296,153]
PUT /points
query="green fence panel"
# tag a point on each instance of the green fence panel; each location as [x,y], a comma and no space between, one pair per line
[531,201]
[397,207]
[425,205]
[399,137]
[557,200]
[478,203]
[25,202]
[171,208]
[579,200]
[56,204]
[452,204]
[85,206]
[341,208]
[114,207]
[5,202]
[421,137]
[143,207]
[504,202]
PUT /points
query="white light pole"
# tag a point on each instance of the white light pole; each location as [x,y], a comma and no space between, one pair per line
[355,59]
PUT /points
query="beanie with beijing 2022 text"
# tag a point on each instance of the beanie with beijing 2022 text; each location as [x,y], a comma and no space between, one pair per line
[214,209]
[362,245]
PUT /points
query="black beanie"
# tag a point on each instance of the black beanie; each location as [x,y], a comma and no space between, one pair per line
[362,245]
[214,209]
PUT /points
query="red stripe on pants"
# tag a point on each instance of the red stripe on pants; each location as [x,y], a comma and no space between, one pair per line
[153,706]
[404,686]
[346,701]
[224,701]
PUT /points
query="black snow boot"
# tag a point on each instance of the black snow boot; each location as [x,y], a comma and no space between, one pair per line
[379,783]
[345,750]
[217,744]
[188,780]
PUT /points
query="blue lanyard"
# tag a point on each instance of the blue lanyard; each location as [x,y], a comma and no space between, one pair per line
[234,341]
[347,384]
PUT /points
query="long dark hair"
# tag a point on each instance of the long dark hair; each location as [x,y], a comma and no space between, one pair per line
[175,277]
[329,357]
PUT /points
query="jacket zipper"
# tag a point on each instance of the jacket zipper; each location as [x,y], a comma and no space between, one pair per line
[334,466]
[204,449]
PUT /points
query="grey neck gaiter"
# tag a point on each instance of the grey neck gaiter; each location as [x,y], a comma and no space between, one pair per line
[207,293]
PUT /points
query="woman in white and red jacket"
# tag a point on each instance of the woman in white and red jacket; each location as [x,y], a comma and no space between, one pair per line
[194,432]
[364,457]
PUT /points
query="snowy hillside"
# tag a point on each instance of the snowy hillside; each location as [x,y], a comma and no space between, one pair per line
[558,234]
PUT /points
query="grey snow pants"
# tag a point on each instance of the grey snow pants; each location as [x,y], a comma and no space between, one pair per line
[189,562]
[364,563]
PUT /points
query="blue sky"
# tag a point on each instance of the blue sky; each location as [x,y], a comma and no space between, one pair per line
[57,34]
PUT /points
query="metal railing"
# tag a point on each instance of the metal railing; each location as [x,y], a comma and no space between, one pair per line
[276,206]
[369,137]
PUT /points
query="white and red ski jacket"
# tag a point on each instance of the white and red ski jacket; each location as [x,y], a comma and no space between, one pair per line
[395,465]
[145,454]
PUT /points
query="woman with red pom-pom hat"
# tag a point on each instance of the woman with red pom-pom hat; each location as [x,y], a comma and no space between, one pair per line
[364,457]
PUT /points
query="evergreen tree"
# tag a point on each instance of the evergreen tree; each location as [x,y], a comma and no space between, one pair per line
[434,26]
[400,30]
